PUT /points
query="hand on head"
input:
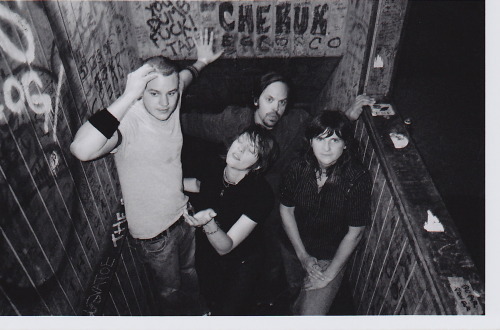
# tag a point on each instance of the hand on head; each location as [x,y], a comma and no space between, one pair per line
[138,79]
[204,47]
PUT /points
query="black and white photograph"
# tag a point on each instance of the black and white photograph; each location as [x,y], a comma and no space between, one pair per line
[270,164]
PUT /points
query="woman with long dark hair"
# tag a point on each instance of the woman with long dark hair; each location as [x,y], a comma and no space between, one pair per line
[325,206]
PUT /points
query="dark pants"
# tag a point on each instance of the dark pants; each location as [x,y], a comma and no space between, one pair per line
[169,261]
[229,285]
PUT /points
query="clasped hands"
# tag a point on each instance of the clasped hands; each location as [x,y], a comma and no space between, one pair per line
[315,279]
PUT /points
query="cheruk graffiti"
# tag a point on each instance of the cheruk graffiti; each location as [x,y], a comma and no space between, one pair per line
[283,19]
[301,20]
[26,89]
[243,28]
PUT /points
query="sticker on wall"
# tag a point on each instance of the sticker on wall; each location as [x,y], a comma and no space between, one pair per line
[466,298]
[433,224]
[382,109]
[379,63]
[54,162]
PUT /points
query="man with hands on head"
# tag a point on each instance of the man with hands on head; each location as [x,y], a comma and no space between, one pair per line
[142,128]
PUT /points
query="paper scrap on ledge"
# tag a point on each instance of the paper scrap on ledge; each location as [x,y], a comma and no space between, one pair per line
[399,140]
[382,109]
[432,224]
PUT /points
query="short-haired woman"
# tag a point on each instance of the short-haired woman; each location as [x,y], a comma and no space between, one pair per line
[235,199]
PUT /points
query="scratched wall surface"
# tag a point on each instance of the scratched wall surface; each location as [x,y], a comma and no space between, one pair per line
[56,212]
[344,84]
[385,271]
[387,34]
[242,28]
[399,267]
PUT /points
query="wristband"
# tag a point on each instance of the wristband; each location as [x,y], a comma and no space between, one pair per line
[211,232]
[194,72]
[104,122]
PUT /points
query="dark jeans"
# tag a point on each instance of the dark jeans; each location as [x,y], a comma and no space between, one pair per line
[169,261]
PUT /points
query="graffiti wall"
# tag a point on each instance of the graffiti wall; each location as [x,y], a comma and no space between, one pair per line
[63,245]
[345,83]
[242,28]
[59,63]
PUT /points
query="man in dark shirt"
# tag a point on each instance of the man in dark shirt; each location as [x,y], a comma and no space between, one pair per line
[268,108]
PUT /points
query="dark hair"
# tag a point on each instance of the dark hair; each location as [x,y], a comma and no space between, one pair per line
[267,148]
[162,65]
[266,80]
[329,123]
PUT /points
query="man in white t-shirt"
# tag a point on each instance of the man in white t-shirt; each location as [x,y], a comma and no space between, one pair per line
[142,128]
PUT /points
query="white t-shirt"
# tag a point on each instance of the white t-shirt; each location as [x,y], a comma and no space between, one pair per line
[150,171]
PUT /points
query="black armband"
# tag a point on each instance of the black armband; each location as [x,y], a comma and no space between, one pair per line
[104,122]
[194,71]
